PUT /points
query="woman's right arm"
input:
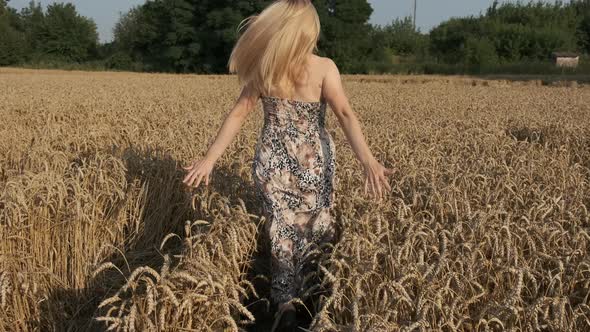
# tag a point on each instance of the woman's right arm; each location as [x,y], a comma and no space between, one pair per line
[333,92]
[201,169]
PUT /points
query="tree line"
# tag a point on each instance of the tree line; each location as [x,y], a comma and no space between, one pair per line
[58,33]
[196,36]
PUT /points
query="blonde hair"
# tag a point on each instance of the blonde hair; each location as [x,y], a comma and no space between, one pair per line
[273,49]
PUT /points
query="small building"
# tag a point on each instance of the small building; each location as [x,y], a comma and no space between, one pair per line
[566,59]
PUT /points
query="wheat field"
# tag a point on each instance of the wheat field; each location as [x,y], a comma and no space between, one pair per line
[486,228]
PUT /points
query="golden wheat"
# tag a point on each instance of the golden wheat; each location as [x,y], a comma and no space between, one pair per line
[486,228]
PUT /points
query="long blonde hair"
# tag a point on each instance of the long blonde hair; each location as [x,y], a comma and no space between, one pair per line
[273,49]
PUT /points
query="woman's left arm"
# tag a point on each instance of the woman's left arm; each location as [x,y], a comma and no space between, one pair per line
[201,169]
[375,173]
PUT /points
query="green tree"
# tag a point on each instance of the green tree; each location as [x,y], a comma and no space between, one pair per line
[67,35]
[345,33]
[12,41]
[33,20]
[515,32]
[480,52]
[183,35]
[124,52]
[188,35]
[3,6]
[583,28]
[448,40]
[584,34]
[198,35]
[401,37]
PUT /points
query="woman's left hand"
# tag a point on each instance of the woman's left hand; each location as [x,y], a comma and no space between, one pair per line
[376,179]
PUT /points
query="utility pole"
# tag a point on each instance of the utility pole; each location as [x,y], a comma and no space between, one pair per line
[415,7]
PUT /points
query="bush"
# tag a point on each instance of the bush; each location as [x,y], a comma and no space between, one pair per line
[122,61]
[515,68]
[56,63]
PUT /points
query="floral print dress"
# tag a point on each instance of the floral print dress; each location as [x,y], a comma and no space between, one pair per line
[294,174]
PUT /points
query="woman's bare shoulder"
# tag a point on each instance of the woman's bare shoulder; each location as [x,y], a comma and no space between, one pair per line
[322,65]
[321,62]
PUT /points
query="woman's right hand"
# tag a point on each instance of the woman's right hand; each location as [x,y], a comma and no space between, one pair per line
[198,171]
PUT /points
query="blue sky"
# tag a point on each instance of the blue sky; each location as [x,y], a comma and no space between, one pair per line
[430,12]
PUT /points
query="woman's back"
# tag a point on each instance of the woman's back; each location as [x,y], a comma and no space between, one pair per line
[309,86]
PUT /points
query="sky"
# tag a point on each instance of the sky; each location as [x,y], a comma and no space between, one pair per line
[430,12]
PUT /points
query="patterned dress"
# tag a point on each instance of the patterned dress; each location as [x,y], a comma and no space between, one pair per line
[294,174]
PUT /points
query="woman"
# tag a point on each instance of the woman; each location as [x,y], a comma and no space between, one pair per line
[293,167]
